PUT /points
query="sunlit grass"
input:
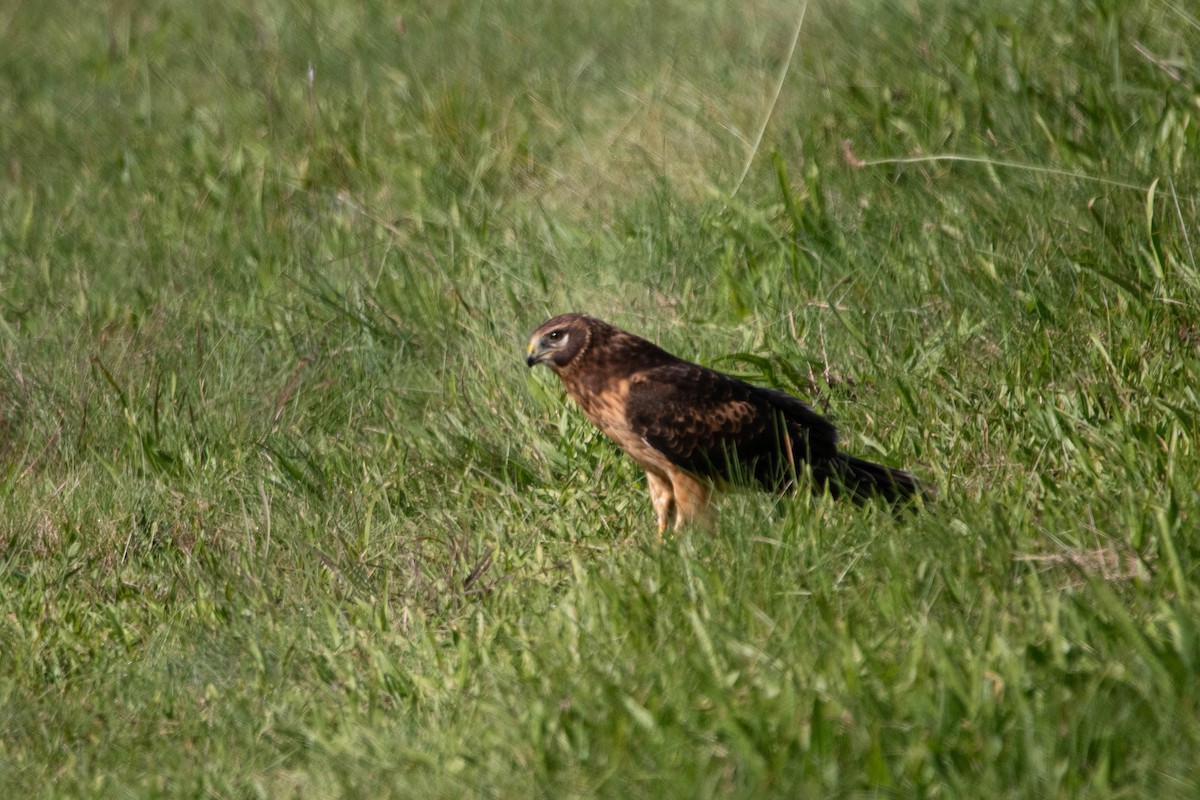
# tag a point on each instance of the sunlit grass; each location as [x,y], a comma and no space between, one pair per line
[284,513]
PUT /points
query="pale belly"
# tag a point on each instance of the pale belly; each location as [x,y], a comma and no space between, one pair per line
[606,410]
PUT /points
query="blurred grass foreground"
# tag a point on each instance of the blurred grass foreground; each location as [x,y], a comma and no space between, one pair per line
[283,514]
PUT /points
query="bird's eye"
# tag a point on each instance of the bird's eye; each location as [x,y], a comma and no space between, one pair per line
[554,336]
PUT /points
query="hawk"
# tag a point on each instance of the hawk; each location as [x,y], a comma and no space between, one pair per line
[693,429]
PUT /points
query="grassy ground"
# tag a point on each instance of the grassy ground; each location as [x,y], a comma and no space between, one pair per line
[283,513]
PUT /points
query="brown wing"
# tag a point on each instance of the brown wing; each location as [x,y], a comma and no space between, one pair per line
[714,425]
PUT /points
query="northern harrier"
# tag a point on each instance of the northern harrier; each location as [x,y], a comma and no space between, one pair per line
[693,428]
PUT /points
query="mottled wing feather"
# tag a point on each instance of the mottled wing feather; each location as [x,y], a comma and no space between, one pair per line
[822,434]
[714,425]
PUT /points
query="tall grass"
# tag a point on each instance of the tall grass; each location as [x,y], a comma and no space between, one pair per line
[284,514]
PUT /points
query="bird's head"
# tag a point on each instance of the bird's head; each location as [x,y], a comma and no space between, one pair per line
[559,341]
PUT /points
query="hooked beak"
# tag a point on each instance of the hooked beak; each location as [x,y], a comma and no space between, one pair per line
[533,355]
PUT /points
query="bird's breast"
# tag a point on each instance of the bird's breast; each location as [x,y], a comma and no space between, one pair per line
[602,402]
[605,405]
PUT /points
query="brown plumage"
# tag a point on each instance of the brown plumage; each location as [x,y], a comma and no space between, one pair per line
[692,428]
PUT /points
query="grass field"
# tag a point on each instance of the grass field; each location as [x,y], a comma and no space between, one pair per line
[282,513]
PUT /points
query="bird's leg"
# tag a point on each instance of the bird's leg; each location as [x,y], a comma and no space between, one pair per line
[691,500]
[664,502]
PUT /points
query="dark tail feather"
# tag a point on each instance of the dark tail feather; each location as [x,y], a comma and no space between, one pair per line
[863,480]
